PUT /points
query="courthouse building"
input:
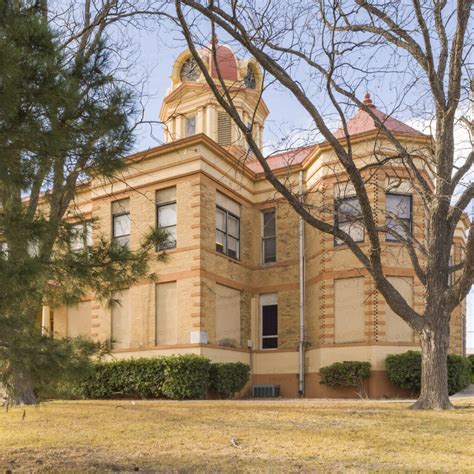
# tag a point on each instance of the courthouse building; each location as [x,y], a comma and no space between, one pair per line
[244,281]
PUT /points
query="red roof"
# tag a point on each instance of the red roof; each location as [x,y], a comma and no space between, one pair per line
[226,60]
[362,122]
[282,159]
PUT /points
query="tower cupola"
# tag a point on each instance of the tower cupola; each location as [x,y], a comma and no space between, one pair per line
[189,106]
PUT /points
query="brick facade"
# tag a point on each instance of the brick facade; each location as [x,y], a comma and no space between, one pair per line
[199,168]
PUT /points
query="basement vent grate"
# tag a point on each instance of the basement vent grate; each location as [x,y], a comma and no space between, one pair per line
[265,391]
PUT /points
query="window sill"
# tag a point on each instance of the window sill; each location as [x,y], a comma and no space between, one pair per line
[393,242]
[230,259]
[170,250]
[345,246]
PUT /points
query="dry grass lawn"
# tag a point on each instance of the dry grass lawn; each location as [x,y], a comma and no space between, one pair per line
[270,436]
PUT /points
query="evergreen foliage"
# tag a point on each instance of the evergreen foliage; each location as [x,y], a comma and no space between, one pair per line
[229,378]
[346,374]
[186,376]
[404,371]
[176,377]
[471,360]
[131,378]
[65,118]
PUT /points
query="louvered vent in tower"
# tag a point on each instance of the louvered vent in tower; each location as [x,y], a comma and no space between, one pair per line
[223,128]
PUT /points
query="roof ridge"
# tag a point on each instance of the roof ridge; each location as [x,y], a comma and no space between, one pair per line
[363,122]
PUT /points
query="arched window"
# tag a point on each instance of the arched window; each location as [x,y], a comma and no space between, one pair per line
[249,79]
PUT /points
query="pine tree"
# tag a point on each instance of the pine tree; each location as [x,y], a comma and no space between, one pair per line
[64,117]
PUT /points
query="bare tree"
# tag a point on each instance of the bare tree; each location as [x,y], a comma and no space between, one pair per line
[324,53]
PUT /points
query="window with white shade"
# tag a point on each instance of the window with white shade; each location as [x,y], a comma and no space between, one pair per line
[34,248]
[81,236]
[227,226]
[189,125]
[269,321]
[348,218]
[269,236]
[398,218]
[4,249]
[121,222]
[166,215]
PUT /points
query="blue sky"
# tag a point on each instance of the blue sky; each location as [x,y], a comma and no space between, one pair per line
[156,59]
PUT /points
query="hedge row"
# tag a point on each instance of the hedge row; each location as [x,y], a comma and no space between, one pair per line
[404,371]
[471,360]
[176,377]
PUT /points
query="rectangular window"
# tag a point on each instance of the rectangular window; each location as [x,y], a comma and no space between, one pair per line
[121,327]
[227,226]
[227,233]
[349,323]
[396,329]
[166,215]
[3,250]
[34,248]
[269,236]
[227,316]
[398,218]
[79,319]
[81,236]
[166,314]
[269,315]
[349,218]
[189,125]
[121,222]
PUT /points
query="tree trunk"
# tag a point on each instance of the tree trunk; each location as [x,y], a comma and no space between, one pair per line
[434,370]
[22,392]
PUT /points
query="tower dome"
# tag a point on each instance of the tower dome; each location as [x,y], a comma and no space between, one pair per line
[223,61]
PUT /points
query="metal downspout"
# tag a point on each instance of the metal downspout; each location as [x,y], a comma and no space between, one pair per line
[302,289]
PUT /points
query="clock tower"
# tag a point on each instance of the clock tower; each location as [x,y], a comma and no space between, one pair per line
[190,107]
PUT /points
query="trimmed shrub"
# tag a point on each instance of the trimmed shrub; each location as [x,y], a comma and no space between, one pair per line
[471,360]
[134,378]
[227,379]
[177,377]
[186,376]
[346,374]
[404,371]
[459,373]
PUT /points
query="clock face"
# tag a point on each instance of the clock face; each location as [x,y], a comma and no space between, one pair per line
[190,70]
[249,79]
